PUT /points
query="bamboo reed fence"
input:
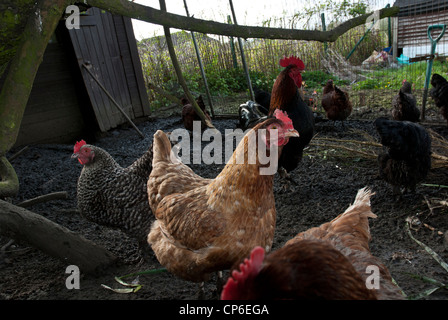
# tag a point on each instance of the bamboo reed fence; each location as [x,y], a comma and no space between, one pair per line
[221,54]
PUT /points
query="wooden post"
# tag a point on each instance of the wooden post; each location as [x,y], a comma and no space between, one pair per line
[243,57]
[180,77]
[394,38]
[324,28]
[389,28]
[201,66]
[88,67]
[232,46]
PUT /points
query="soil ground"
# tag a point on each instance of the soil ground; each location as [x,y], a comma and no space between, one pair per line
[327,181]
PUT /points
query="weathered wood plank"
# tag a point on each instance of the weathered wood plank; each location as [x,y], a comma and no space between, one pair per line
[81,52]
[100,68]
[115,70]
[53,106]
[137,67]
[412,30]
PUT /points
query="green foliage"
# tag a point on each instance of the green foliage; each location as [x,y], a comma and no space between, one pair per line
[317,79]
[351,9]
[262,56]
[334,11]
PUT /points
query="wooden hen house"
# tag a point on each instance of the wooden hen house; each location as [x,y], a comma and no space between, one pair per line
[67,101]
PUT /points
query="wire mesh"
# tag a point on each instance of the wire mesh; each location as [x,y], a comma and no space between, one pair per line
[370,61]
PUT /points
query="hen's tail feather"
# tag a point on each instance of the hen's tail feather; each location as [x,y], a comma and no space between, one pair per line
[143,165]
[161,147]
[350,227]
[340,93]
[362,200]
[354,222]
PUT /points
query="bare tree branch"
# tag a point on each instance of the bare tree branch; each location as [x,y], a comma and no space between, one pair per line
[53,239]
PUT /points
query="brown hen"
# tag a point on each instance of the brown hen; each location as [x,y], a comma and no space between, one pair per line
[332,261]
[336,102]
[206,225]
[404,104]
[189,115]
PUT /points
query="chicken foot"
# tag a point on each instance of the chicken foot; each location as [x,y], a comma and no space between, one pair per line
[219,286]
[286,176]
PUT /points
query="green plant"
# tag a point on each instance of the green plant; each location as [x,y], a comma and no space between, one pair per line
[317,79]
[391,78]
[262,57]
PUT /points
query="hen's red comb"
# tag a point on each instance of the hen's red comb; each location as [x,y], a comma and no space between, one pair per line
[248,269]
[292,60]
[283,117]
[78,146]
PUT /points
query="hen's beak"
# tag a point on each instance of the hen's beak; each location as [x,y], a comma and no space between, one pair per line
[292,133]
[76,156]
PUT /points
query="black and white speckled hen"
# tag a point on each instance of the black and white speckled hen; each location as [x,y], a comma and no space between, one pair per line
[336,102]
[111,195]
[404,104]
[439,92]
[250,114]
[407,157]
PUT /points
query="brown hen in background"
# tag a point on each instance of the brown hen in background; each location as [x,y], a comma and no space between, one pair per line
[404,104]
[336,102]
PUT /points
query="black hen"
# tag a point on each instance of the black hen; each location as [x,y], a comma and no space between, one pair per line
[250,114]
[439,92]
[407,157]
[404,104]
[263,98]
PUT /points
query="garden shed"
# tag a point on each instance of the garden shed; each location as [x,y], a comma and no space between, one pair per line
[413,20]
[85,72]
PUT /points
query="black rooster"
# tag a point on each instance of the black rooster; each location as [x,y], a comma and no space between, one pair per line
[286,97]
